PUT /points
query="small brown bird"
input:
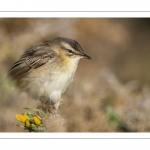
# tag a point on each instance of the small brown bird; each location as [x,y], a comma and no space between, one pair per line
[44,71]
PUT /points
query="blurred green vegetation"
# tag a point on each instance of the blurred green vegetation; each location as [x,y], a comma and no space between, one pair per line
[115,121]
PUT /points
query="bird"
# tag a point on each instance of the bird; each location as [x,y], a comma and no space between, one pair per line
[45,70]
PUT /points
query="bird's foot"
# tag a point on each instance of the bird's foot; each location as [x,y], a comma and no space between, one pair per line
[49,107]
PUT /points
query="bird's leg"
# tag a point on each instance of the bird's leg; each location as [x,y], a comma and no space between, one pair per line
[56,105]
[49,107]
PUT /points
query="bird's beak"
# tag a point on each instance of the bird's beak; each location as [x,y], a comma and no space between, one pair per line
[86,56]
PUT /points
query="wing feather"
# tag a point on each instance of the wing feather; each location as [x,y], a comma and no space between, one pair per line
[30,60]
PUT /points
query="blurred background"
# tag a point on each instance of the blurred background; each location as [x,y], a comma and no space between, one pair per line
[110,93]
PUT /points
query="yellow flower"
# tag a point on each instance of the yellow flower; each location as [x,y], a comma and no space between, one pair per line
[32,122]
[27,122]
[22,118]
[36,120]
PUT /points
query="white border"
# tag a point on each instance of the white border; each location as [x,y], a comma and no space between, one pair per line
[65,14]
[78,144]
[77,135]
[76,5]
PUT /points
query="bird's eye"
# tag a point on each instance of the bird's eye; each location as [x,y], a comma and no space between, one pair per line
[69,51]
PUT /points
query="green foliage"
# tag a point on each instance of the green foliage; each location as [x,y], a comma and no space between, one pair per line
[115,121]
